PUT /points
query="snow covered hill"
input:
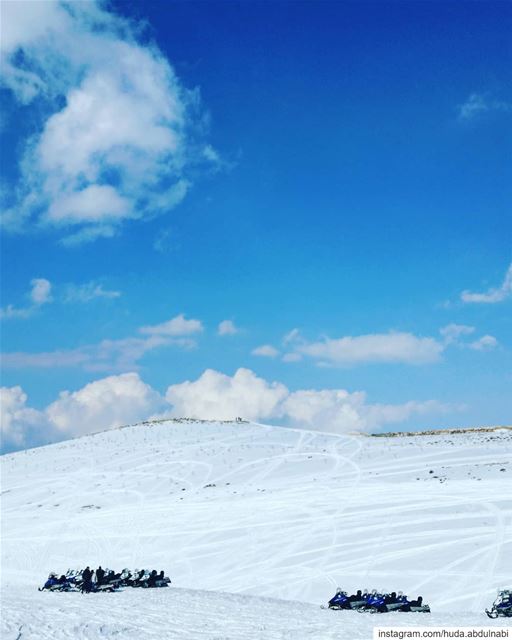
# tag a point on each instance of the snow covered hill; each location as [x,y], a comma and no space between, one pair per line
[260,511]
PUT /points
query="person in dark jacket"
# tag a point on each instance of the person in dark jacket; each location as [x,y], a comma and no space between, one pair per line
[391,598]
[152,579]
[63,581]
[100,574]
[86,580]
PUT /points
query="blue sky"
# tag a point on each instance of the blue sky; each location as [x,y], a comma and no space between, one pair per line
[332,178]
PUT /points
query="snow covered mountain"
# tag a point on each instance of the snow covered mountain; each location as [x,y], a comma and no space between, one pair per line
[258,511]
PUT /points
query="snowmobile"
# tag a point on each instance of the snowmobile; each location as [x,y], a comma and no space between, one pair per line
[139,578]
[110,583]
[74,577]
[126,576]
[374,603]
[150,581]
[53,583]
[387,602]
[502,606]
[339,601]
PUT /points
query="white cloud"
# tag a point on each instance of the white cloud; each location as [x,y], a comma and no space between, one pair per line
[388,347]
[452,332]
[10,311]
[227,328]
[478,104]
[96,203]
[102,404]
[211,154]
[339,410]
[20,425]
[492,295]
[125,399]
[265,351]
[111,355]
[124,354]
[40,294]
[474,106]
[107,355]
[329,409]
[121,136]
[46,359]
[216,395]
[177,326]
[88,291]
[292,336]
[41,291]
[485,343]
[378,415]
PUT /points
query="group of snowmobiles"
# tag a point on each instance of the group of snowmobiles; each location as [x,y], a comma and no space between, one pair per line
[376,602]
[104,580]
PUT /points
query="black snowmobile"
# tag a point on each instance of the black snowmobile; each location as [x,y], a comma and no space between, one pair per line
[376,602]
[154,580]
[502,606]
[110,583]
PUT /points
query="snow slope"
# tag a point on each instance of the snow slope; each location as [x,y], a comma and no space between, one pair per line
[183,614]
[260,511]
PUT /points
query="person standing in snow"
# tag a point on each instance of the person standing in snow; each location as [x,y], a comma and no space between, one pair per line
[86,580]
[100,574]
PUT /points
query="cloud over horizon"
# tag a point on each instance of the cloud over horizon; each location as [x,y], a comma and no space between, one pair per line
[125,399]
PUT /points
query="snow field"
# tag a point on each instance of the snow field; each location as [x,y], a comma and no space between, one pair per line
[260,511]
[183,614]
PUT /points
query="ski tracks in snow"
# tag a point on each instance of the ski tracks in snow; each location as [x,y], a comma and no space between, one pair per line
[267,511]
